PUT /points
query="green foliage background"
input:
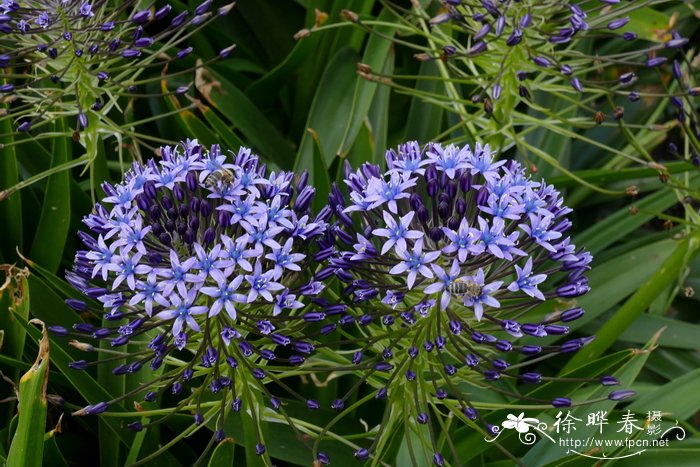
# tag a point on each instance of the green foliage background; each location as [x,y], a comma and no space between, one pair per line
[302,105]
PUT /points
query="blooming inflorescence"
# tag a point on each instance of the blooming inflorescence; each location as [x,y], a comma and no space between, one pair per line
[447,258]
[195,265]
[76,58]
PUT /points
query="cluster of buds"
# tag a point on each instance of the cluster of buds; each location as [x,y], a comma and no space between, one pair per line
[596,50]
[65,58]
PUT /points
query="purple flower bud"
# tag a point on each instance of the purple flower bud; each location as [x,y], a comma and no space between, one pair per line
[621,395]
[609,381]
[224,53]
[633,96]
[561,402]
[162,12]
[571,315]
[618,23]
[96,409]
[516,36]
[576,84]
[203,7]
[338,404]
[179,19]
[78,365]
[141,16]
[143,42]
[259,449]
[531,378]
[361,454]
[541,61]
[24,126]
[130,53]
[477,48]
[183,53]
[675,43]
[656,61]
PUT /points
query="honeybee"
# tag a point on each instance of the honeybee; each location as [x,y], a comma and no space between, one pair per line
[464,287]
[221,175]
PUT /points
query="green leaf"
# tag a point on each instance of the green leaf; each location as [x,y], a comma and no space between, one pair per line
[544,451]
[257,129]
[10,208]
[27,446]
[54,219]
[424,119]
[377,52]
[330,109]
[680,397]
[223,455]
[640,301]
[622,223]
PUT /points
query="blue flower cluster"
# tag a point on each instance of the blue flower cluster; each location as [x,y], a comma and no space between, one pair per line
[446,258]
[214,272]
[96,52]
[196,262]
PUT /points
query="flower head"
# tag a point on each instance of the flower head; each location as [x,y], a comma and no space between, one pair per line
[440,290]
[92,52]
[208,296]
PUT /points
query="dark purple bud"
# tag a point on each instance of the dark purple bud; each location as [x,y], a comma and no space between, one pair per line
[361,454]
[96,409]
[24,126]
[58,330]
[561,402]
[436,234]
[541,61]
[676,68]
[130,53]
[526,20]
[78,365]
[313,404]
[656,61]
[618,23]
[338,404]
[141,16]
[576,84]
[135,426]
[143,42]
[609,381]
[438,459]
[500,25]
[77,305]
[258,373]
[179,19]
[556,329]
[381,394]
[571,315]
[496,92]
[323,458]
[163,12]
[481,33]
[633,96]
[530,349]
[203,7]
[183,53]
[515,37]
[674,43]
[259,449]
[531,377]
[621,395]
[477,48]
[383,366]
[422,418]
[150,396]
[236,404]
